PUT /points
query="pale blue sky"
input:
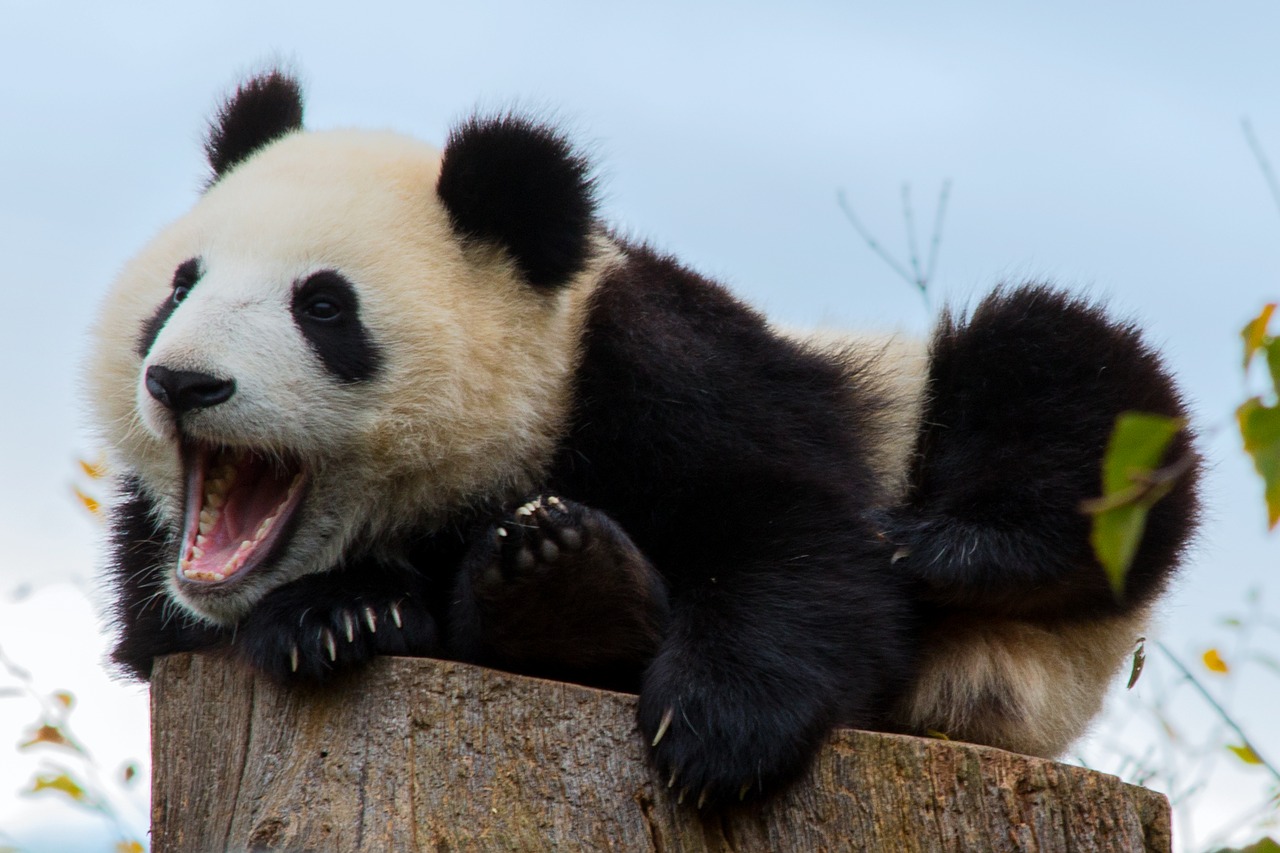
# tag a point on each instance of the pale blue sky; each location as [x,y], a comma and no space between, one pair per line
[1097,145]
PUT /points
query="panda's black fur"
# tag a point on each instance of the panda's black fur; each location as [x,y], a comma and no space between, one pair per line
[711,528]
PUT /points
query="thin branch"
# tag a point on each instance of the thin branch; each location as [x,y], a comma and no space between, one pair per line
[1221,712]
[943,195]
[909,221]
[914,276]
[1263,163]
[871,241]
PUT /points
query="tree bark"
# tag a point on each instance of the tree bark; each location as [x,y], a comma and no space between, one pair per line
[415,754]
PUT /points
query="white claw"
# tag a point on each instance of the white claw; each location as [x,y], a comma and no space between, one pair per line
[395,615]
[664,725]
[349,624]
[293,659]
[330,645]
[371,619]
[899,554]
[502,531]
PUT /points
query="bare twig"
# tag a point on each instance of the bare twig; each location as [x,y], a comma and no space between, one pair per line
[920,279]
[910,223]
[1218,709]
[943,195]
[871,241]
[1263,163]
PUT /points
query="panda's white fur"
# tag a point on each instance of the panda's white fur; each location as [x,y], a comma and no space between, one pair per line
[772,531]
[471,403]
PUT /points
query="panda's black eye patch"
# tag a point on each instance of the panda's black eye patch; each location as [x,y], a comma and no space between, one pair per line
[326,310]
[184,278]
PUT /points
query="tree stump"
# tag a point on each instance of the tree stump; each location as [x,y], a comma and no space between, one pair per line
[416,754]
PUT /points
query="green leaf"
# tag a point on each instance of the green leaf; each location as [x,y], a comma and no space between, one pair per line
[1262,845]
[1131,485]
[1260,429]
[1273,363]
[1254,334]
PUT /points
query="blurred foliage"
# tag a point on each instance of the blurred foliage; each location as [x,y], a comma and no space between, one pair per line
[1259,416]
[67,769]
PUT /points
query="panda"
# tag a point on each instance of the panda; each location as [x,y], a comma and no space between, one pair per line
[368,397]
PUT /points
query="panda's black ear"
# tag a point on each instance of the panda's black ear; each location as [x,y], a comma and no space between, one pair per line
[521,185]
[263,109]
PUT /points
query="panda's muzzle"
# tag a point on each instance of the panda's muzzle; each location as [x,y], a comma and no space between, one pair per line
[183,390]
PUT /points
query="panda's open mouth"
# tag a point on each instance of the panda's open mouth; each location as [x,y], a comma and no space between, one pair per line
[238,508]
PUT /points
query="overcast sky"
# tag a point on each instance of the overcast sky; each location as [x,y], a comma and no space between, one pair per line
[1097,145]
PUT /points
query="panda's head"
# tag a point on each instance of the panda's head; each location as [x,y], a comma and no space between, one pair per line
[350,335]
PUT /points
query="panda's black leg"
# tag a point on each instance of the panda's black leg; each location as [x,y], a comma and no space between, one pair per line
[557,588]
[1023,398]
[760,663]
[321,624]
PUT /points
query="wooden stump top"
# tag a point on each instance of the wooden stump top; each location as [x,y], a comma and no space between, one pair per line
[418,754]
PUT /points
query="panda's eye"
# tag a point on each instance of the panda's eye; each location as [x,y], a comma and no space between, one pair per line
[185,278]
[323,309]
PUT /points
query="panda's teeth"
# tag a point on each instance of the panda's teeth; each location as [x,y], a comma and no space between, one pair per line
[197,552]
[214,500]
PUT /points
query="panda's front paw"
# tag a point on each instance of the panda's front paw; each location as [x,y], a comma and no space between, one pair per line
[557,588]
[311,629]
[719,746]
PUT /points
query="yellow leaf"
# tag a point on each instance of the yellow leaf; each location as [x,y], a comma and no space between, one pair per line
[94,470]
[1245,753]
[62,783]
[64,698]
[1254,333]
[47,734]
[1214,662]
[130,846]
[90,503]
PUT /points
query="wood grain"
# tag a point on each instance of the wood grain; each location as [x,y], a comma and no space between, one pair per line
[416,754]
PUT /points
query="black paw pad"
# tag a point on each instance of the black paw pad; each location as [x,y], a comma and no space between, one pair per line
[535,537]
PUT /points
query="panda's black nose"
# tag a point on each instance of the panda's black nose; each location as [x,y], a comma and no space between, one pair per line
[183,390]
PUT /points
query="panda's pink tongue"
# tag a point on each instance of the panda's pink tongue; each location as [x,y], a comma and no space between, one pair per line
[235,502]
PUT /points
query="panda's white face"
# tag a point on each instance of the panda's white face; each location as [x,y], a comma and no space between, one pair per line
[310,362]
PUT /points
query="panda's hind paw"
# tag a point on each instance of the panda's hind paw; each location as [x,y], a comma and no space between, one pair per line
[535,536]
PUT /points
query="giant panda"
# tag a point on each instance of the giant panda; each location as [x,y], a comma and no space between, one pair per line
[368,397]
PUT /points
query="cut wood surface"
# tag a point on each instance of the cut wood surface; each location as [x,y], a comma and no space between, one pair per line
[416,754]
